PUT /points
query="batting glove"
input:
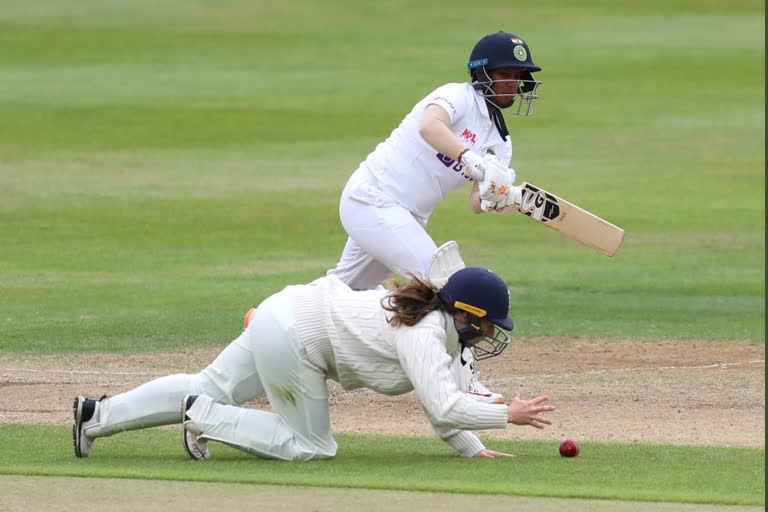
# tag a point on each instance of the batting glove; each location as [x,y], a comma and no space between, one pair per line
[511,202]
[473,165]
[496,184]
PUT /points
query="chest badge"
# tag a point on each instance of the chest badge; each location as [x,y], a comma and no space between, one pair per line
[469,136]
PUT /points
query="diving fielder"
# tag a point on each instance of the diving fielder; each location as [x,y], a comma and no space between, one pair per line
[391,342]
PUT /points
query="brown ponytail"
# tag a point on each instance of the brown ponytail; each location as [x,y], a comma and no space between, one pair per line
[411,301]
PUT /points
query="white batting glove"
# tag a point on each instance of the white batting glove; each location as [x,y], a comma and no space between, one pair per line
[490,159]
[473,165]
[512,202]
[495,186]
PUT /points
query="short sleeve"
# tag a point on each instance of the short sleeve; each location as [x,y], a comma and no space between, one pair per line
[452,98]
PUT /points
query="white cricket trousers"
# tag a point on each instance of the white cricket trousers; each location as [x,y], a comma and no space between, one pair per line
[384,237]
[267,358]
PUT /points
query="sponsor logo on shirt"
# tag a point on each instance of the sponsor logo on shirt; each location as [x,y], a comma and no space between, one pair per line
[448,102]
[469,136]
[453,165]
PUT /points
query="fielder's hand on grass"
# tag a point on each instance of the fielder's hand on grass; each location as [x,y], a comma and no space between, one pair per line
[490,454]
[527,412]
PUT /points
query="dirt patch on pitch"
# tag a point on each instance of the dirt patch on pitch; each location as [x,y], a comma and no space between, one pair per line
[681,392]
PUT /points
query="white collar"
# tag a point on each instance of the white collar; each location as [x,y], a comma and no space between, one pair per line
[481,103]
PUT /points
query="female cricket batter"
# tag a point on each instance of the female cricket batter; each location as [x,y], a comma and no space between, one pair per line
[391,342]
[453,135]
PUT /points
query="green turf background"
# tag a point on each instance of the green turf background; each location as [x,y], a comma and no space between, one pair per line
[166,165]
[640,472]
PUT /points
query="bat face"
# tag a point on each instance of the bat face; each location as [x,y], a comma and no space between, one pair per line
[539,204]
[569,219]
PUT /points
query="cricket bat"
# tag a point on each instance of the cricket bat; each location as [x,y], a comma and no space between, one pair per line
[569,219]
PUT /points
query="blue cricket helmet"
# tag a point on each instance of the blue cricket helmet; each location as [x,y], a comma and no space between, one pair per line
[480,292]
[503,50]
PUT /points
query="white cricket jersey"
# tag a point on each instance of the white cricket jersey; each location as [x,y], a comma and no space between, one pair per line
[417,176]
[346,333]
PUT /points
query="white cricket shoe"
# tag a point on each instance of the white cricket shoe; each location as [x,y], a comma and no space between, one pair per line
[195,447]
[86,412]
[481,393]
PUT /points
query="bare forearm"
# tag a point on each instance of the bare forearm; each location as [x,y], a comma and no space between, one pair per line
[435,130]
[474,199]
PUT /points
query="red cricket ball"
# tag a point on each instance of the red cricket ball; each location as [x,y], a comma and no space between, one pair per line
[569,448]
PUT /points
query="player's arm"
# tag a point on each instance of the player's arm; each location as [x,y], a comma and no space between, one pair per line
[493,174]
[435,130]
[423,356]
[474,199]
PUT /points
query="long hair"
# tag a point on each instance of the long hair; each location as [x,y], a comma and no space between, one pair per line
[411,301]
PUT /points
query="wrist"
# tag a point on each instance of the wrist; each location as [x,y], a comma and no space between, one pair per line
[473,164]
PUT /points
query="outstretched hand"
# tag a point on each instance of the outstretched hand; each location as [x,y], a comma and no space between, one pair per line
[527,412]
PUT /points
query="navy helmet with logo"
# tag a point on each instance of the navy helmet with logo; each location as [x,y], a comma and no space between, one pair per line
[480,294]
[503,50]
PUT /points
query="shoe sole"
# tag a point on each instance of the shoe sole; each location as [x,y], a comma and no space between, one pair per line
[77,411]
[183,428]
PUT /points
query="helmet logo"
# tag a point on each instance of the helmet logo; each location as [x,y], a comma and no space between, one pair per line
[470,309]
[520,53]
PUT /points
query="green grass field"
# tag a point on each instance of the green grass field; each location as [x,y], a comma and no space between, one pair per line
[605,471]
[166,165]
